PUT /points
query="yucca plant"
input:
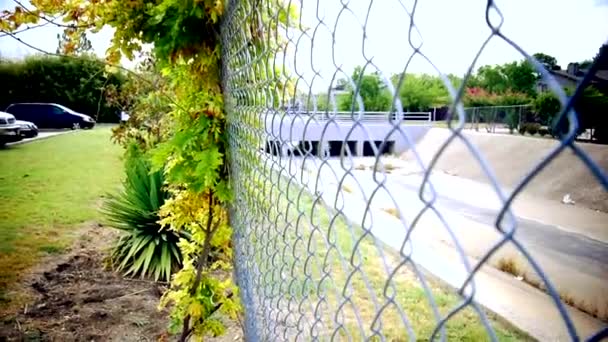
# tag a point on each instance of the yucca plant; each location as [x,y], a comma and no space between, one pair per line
[145,248]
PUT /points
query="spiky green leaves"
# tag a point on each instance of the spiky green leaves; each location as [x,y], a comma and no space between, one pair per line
[146,249]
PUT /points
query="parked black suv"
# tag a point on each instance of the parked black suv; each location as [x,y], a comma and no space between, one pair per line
[50,115]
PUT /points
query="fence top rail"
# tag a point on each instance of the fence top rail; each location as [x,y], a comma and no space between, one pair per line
[365,116]
[353,113]
[499,107]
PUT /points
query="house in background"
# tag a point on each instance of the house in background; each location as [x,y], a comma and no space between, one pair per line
[570,78]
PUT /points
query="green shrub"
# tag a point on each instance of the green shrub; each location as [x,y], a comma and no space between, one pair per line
[146,248]
[533,128]
[522,128]
[547,106]
[511,98]
[512,120]
[79,83]
[529,127]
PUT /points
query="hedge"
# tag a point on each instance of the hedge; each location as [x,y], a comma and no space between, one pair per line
[75,82]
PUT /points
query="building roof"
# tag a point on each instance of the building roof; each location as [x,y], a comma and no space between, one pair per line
[601,76]
[566,74]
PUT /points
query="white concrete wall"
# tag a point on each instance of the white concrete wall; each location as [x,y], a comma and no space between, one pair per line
[297,128]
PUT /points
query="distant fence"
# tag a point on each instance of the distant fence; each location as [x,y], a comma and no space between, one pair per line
[367,116]
[330,248]
[503,118]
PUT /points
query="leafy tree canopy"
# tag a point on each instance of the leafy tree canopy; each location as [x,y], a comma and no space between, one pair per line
[515,76]
[549,62]
[417,92]
[371,89]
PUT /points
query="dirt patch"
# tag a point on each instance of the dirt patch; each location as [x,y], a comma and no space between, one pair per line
[76,298]
[511,158]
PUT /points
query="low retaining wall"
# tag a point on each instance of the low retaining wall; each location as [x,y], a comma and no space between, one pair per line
[297,134]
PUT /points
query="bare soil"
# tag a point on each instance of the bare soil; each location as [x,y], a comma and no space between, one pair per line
[512,157]
[75,297]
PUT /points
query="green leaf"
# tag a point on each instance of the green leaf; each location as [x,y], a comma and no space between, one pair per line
[209,160]
[165,261]
[138,242]
[147,256]
[175,252]
[135,212]
[158,267]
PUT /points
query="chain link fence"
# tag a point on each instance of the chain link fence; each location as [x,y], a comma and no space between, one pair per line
[498,119]
[335,237]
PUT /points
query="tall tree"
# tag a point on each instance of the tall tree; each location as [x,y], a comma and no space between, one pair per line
[370,88]
[416,92]
[521,77]
[492,78]
[548,61]
[422,92]
[599,57]
[517,77]
[586,64]
[74,41]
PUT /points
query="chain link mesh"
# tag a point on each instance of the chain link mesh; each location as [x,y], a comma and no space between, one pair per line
[328,246]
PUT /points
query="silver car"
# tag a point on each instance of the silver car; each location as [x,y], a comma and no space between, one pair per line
[27,129]
[10,131]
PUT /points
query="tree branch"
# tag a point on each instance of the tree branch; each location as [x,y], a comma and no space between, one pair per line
[101,93]
[202,261]
[204,257]
[52,21]
[27,28]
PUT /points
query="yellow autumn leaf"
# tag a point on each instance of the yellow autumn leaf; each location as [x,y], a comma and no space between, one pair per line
[195,309]
[5,25]
[111,69]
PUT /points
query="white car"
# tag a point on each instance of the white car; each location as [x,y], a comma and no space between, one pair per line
[10,130]
[27,129]
[124,116]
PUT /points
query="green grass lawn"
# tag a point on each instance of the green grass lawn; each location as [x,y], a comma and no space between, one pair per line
[48,188]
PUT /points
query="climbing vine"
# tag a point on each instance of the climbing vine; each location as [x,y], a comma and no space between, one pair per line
[187,139]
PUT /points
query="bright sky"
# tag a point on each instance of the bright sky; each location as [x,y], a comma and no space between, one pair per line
[451,33]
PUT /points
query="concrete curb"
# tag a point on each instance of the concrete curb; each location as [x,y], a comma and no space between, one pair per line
[39,138]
